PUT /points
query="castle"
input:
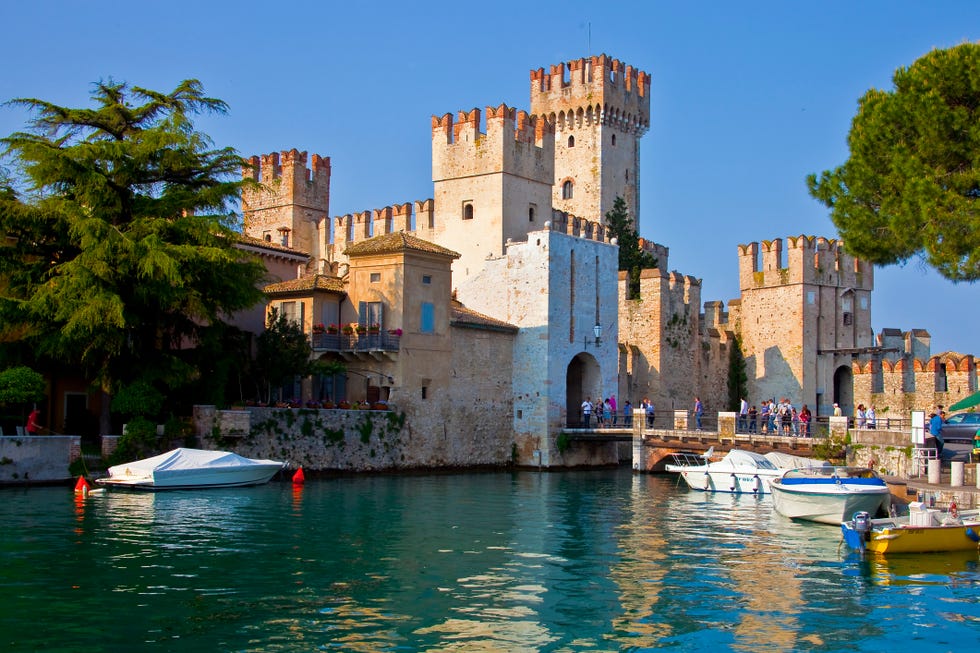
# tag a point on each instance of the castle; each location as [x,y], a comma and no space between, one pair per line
[498,305]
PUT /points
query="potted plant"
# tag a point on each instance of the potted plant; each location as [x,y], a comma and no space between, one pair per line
[360,328]
[374,328]
[343,405]
[395,332]
[319,328]
[332,328]
[349,328]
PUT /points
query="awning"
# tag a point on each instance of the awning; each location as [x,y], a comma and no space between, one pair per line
[969,402]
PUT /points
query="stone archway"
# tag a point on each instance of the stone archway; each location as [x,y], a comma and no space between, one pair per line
[844,389]
[582,380]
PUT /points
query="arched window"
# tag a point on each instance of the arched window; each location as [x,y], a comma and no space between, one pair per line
[566,190]
[571,141]
[614,140]
[530,213]
[467,211]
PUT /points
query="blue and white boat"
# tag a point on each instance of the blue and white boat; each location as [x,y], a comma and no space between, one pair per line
[830,494]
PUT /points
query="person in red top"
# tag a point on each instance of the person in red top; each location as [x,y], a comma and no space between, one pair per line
[33,428]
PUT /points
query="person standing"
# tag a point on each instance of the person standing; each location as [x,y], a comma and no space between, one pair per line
[805,421]
[612,408]
[871,417]
[33,428]
[698,411]
[936,432]
[628,413]
[607,413]
[743,416]
[837,411]
[753,419]
[587,412]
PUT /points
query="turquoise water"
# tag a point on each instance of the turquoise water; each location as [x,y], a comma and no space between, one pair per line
[571,561]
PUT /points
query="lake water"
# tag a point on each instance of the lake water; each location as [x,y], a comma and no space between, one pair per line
[526,561]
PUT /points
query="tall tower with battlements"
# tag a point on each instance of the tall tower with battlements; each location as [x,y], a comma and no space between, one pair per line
[804,315]
[292,203]
[600,108]
[490,186]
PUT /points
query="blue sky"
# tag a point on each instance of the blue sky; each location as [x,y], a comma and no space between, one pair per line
[747,99]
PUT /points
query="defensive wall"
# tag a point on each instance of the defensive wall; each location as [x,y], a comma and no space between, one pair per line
[32,459]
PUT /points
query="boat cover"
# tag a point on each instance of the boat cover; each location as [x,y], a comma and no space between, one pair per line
[789,461]
[182,459]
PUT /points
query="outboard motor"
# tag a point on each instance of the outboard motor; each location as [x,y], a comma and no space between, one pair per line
[862,524]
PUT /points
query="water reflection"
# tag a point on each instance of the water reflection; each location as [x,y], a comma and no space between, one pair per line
[582,561]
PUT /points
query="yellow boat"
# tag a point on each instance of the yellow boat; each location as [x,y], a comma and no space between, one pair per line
[923,530]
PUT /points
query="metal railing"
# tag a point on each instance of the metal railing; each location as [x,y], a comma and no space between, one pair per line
[381,341]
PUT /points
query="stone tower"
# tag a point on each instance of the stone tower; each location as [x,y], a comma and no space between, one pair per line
[292,204]
[600,108]
[802,318]
[489,187]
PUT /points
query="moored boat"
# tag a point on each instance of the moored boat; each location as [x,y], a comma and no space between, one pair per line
[923,530]
[738,472]
[183,469]
[828,494]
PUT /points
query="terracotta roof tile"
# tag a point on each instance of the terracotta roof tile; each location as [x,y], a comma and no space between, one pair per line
[319,282]
[269,245]
[463,316]
[393,243]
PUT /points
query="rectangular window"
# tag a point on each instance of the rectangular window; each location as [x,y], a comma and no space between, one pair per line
[375,277]
[811,297]
[292,311]
[848,319]
[428,318]
[427,279]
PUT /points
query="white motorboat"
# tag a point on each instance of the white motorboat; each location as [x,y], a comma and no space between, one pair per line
[738,472]
[184,469]
[830,495]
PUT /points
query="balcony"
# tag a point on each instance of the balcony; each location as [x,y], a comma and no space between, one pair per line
[355,343]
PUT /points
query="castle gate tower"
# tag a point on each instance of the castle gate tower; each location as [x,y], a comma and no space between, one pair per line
[600,108]
[804,316]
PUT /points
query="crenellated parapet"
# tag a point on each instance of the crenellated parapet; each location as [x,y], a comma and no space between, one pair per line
[573,225]
[597,89]
[290,193]
[513,142]
[411,217]
[802,260]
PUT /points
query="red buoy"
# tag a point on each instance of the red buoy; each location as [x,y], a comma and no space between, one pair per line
[299,477]
[82,486]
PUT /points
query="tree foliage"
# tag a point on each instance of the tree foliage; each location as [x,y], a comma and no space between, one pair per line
[283,352]
[20,385]
[632,258]
[912,183]
[120,244]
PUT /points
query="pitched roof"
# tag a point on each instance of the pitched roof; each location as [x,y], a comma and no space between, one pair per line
[394,243]
[269,245]
[465,317]
[319,282]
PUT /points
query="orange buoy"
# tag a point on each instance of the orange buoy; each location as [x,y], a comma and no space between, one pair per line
[299,477]
[82,486]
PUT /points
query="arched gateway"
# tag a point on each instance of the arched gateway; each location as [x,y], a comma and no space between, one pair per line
[582,380]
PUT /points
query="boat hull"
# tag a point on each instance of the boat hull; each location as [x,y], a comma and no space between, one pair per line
[828,503]
[725,481]
[258,475]
[897,535]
